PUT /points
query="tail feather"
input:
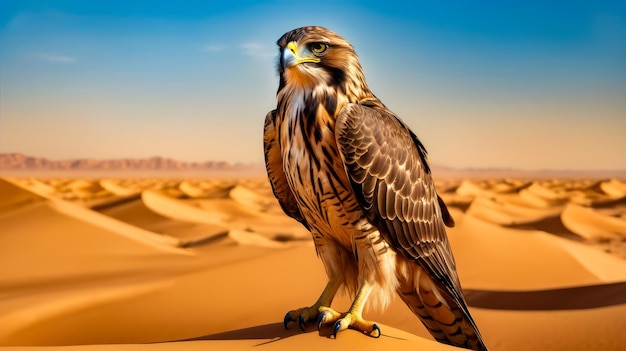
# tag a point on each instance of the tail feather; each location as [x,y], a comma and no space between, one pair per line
[446,317]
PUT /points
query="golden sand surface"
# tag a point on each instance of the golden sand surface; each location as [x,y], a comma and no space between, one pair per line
[197,264]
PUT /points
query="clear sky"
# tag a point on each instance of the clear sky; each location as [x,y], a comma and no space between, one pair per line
[527,85]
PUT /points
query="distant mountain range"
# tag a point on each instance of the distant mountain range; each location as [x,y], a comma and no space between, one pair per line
[19,162]
[16,161]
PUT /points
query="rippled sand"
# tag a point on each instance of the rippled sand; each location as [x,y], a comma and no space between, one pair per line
[169,264]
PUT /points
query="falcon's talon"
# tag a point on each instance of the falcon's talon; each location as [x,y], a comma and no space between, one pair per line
[327,315]
[337,329]
[320,321]
[375,327]
[303,316]
[349,320]
[286,320]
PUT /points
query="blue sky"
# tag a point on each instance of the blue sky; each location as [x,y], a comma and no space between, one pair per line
[529,85]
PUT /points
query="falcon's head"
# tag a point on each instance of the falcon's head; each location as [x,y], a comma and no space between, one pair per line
[310,56]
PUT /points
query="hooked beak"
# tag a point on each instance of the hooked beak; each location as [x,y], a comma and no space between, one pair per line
[292,55]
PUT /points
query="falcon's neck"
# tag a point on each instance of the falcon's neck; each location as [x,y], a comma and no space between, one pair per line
[309,110]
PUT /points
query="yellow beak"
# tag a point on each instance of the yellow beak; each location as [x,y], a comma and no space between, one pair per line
[292,55]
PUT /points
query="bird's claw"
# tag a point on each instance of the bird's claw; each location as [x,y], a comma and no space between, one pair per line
[348,321]
[287,320]
[375,328]
[320,321]
[336,329]
[302,316]
[327,315]
[339,321]
[374,333]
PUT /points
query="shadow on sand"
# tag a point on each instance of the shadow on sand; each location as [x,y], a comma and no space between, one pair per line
[573,298]
[272,332]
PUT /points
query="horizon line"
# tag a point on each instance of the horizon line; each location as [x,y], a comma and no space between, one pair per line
[439,168]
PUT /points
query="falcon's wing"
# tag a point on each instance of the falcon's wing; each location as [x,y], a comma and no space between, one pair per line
[387,168]
[275,173]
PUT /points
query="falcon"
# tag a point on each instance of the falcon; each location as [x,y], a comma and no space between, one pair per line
[355,175]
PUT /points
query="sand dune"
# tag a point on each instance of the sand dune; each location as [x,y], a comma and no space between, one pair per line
[226,213]
[207,189]
[614,188]
[509,212]
[214,264]
[592,224]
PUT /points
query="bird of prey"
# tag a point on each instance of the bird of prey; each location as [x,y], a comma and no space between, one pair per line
[355,175]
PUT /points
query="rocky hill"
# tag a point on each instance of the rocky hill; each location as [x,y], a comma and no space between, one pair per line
[16,161]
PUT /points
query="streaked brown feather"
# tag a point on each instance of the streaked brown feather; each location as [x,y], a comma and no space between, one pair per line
[275,172]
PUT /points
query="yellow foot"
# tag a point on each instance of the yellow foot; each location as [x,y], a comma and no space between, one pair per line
[302,316]
[347,320]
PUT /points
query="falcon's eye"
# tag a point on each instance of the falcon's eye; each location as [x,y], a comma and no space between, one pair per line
[318,48]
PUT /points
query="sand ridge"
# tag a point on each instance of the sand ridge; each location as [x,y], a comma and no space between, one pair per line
[186,264]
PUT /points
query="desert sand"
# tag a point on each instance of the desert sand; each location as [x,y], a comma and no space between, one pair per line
[214,264]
